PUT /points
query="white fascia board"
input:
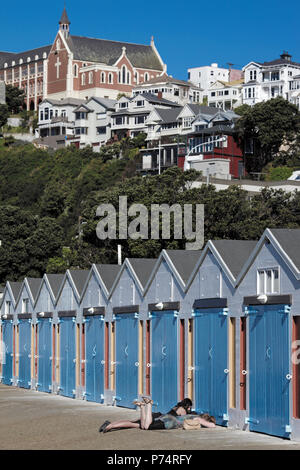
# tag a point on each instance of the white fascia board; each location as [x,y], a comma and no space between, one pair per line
[164,256]
[267,235]
[100,280]
[127,265]
[209,247]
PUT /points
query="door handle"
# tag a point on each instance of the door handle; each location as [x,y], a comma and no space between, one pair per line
[288,376]
[163,350]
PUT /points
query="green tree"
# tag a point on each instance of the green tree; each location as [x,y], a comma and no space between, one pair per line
[14,98]
[269,125]
[4,113]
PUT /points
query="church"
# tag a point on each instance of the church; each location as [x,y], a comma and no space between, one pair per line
[80,67]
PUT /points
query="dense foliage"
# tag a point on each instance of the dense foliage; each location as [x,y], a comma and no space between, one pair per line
[48,200]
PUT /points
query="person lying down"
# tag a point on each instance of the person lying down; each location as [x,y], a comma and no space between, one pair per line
[174,419]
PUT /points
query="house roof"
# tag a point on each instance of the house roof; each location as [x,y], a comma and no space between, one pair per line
[108,273]
[34,285]
[168,115]
[108,52]
[79,277]
[234,253]
[289,240]
[107,103]
[184,261]
[15,288]
[16,56]
[142,268]
[156,100]
[64,102]
[165,79]
[55,281]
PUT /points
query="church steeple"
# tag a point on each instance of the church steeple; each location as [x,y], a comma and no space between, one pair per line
[64,23]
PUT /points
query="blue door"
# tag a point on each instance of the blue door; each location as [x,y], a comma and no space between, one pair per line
[164,383]
[126,360]
[7,338]
[269,380]
[94,356]
[210,362]
[45,355]
[67,357]
[24,354]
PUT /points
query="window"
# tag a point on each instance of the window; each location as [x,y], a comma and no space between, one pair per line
[268,281]
[146,76]
[80,115]
[213,93]
[140,103]
[46,114]
[102,77]
[81,131]
[41,115]
[139,119]
[83,79]
[91,77]
[101,130]
[75,70]
[7,307]
[123,105]
[110,78]
[25,306]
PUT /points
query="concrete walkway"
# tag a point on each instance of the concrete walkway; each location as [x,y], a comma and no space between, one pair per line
[32,420]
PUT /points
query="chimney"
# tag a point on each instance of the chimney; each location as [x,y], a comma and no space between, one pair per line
[159,95]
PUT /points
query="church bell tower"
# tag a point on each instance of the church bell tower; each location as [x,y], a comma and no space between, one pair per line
[64,24]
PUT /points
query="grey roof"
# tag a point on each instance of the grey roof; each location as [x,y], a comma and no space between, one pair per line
[65,101]
[165,79]
[108,52]
[108,273]
[107,103]
[143,268]
[234,253]
[34,285]
[79,277]
[168,115]
[16,56]
[184,261]
[289,239]
[15,287]
[155,99]
[55,281]
[218,129]
[206,110]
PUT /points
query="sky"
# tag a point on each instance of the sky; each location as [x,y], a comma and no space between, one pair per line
[187,33]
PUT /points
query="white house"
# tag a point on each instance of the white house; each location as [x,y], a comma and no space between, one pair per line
[294,90]
[225,95]
[266,80]
[172,89]
[205,76]
[92,123]
[129,118]
[71,120]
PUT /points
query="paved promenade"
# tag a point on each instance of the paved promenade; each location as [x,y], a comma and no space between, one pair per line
[32,420]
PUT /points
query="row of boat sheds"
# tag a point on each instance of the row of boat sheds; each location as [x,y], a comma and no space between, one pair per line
[221,326]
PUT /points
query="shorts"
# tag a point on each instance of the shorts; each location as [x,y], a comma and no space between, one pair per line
[156,423]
